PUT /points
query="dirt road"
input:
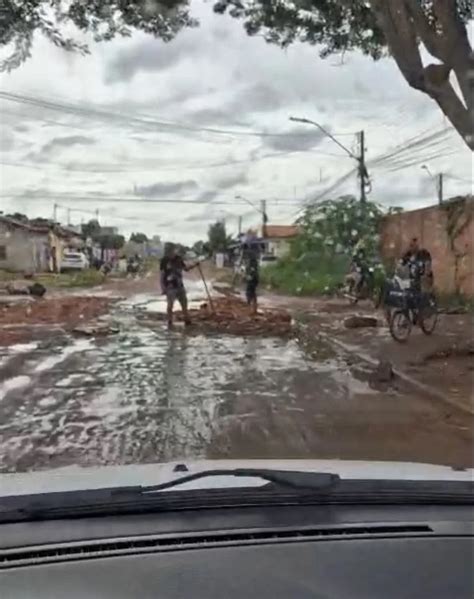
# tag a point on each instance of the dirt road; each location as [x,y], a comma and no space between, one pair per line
[146,394]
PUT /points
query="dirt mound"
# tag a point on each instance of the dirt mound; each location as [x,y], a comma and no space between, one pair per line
[231,315]
[64,311]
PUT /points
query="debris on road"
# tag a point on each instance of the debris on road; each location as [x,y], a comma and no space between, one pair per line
[357,322]
[463,349]
[18,318]
[383,373]
[95,329]
[231,315]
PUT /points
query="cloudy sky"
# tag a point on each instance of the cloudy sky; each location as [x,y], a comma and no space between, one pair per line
[161,138]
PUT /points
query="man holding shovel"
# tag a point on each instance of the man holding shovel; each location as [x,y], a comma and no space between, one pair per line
[172,266]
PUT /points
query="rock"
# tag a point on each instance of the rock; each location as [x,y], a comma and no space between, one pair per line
[358,322]
[383,372]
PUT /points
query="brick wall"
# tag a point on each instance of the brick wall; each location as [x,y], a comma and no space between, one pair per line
[447,232]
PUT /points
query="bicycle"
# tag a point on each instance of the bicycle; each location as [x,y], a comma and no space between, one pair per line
[418,308]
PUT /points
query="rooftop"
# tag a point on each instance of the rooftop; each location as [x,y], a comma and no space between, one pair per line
[282,231]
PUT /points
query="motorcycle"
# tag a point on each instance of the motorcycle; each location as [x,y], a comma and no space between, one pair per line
[361,285]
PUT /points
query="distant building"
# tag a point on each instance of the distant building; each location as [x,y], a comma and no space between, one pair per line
[30,248]
[278,238]
[23,248]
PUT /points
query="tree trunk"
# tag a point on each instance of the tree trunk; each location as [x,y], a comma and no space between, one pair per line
[405,24]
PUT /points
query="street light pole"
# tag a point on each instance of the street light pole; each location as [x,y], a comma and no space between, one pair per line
[362,168]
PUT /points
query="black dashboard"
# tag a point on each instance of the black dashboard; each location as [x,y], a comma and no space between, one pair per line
[322,552]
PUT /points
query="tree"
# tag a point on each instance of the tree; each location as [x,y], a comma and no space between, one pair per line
[91,229]
[218,240]
[111,242]
[337,226]
[138,238]
[20,20]
[378,27]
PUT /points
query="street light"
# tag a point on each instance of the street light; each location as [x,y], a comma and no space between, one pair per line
[425,168]
[326,132]
[239,197]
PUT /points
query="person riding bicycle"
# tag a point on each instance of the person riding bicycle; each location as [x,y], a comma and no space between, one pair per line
[419,262]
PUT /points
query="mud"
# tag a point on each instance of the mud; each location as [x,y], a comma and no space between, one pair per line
[147,394]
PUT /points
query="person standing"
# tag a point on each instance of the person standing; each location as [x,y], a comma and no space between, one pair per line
[252,280]
[172,267]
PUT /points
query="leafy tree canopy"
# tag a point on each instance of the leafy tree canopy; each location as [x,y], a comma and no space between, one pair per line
[337,226]
[91,229]
[104,19]
[217,237]
[138,238]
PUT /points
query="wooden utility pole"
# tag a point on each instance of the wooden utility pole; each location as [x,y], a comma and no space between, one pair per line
[55,213]
[440,188]
[240,225]
[362,168]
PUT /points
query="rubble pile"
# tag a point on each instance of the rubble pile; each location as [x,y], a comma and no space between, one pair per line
[63,311]
[231,315]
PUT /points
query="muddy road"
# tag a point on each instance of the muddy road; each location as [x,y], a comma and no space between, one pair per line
[146,394]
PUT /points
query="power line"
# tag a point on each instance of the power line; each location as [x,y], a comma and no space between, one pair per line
[144,120]
[136,200]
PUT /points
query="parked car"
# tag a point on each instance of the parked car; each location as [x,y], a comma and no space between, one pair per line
[74,261]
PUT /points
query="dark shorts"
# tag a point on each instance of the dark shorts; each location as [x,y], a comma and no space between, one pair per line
[251,290]
[179,294]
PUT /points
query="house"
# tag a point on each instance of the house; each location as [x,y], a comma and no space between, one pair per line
[278,238]
[23,247]
[28,248]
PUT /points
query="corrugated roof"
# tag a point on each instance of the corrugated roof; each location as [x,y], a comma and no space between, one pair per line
[282,231]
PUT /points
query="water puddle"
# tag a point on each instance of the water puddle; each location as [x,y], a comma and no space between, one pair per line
[148,395]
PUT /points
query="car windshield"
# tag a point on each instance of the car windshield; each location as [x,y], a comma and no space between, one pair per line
[234,230]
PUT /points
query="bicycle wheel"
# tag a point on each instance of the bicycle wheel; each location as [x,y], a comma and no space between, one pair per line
[400,326]
[428,316]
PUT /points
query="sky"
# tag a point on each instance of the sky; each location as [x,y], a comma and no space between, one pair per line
[163,137]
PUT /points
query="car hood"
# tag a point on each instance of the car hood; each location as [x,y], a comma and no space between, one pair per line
[77,478]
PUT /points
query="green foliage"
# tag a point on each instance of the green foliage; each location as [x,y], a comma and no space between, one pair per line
[105,19]
[320,255]
[336,26]
[337,226]
[83,278]
[111,242]
[217,237]
[91,229]
[138,238]
[309,275]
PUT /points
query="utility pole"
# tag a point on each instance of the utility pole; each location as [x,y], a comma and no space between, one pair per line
[240,226]
[263,209]
[362,168]
[68,216]
[55,213]
[97,214]
[440,188]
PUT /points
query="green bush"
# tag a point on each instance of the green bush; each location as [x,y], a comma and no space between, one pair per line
[311,274]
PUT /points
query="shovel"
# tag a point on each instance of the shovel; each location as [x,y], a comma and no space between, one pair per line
[206,287]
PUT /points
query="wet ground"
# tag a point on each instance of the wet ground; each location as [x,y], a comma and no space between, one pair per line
[147,394]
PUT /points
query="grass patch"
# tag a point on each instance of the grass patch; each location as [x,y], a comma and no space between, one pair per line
[6,275]
[311,274]
[82,278]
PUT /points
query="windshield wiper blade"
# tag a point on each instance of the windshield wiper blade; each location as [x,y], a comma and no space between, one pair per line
[294,479]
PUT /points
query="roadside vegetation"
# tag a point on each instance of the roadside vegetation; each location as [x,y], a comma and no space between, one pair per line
[319,257]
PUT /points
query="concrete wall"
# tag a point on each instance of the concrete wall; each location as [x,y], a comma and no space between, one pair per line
[25,251]
[447,232]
